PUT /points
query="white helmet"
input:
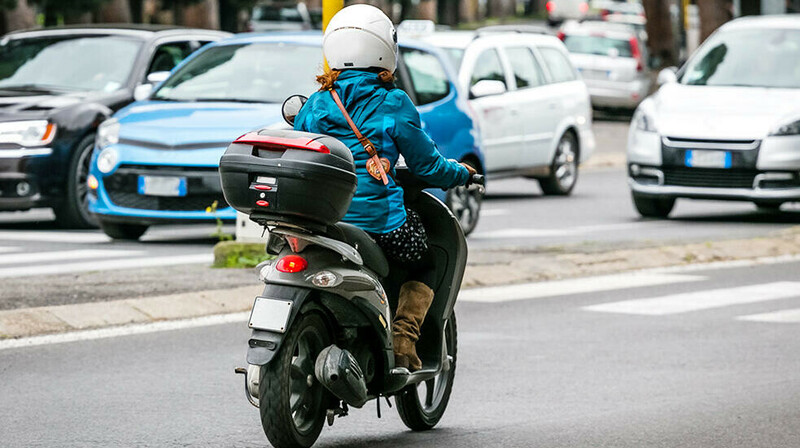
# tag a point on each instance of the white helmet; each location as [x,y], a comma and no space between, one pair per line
[360,36]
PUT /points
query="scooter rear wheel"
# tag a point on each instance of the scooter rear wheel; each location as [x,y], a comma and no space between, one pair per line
[421,406]
[292,402]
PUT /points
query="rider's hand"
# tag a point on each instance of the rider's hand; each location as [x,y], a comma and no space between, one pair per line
[469,168]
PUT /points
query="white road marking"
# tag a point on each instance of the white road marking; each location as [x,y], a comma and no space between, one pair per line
[34,257]
[494,212]
[55,237]
[701,300]
[783,316]
[5,250]
[528,232]
[495,294]
[106,265]
[126,330]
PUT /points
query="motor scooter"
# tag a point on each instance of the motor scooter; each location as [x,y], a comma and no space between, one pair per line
[321,337]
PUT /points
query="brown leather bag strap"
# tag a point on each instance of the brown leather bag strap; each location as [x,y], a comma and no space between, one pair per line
[368,146]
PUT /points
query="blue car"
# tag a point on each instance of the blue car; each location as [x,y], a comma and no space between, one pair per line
[156,161]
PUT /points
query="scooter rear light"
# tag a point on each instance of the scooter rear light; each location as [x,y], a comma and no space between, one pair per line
[291,264]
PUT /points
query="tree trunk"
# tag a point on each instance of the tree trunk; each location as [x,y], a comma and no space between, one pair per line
[21,17]
[501,8]
[203,14]
[447,12]
[713,13]
[115,11]
[468,11]
[660,37]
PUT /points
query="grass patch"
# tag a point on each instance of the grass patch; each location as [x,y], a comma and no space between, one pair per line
[232,254]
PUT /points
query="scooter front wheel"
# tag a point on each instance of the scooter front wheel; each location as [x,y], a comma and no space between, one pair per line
[422,405]
[291,400]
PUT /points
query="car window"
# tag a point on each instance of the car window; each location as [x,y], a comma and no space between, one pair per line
[598,45]
[428,78]
[245,73]
[68,62]
[167,56]
[527,71]
[488,67]
[749,58]
[560,68]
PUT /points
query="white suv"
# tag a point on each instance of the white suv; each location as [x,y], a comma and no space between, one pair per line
[533,110]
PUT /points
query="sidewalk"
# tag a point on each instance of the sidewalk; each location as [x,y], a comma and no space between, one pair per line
[485,268]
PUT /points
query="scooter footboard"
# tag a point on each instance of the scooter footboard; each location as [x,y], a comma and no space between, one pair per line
[263,345]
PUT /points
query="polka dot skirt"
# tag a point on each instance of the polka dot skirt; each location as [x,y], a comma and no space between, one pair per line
[406,244]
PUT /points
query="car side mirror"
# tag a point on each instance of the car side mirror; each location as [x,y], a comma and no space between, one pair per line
[157,78]
[142,92]
[291,107]
[487,87]
[667,76]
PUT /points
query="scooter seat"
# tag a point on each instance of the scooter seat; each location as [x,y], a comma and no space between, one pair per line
[370,252]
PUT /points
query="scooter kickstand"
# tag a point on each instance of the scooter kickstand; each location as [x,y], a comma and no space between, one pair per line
[341,411]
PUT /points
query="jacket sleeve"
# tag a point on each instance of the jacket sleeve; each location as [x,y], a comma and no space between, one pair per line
[420,152]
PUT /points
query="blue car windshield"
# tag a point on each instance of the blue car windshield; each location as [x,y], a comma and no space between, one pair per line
[82,63]
[262,73]
[747,58]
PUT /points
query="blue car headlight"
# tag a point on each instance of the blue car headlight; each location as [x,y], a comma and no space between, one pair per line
[107,160]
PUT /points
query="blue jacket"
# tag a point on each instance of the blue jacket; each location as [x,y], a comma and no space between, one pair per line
[388,118]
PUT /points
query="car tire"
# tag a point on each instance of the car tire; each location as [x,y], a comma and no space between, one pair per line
[118,231]
[564,168]
[653,206]
[73,212]
[465,204]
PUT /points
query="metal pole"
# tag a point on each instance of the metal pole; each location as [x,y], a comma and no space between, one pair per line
[329,9]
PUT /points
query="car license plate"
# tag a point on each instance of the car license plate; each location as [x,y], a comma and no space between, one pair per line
[270,314]
[162,186]
[708,159]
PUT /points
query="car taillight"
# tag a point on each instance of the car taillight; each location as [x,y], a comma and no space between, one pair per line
[561,35]
[584,7]
[550,6]
[291,264]
[636,53]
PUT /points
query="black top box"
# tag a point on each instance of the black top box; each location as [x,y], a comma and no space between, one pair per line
[289,176]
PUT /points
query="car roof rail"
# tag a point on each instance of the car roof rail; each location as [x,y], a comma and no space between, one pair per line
[520,29]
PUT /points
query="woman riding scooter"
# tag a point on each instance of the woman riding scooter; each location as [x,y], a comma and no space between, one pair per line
[359,104]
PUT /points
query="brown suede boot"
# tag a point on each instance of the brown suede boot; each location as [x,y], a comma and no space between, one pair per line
[415,299]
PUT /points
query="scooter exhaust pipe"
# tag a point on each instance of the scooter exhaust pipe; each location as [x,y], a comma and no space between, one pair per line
[340,373]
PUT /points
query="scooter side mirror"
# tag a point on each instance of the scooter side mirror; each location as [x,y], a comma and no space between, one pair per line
[291,107]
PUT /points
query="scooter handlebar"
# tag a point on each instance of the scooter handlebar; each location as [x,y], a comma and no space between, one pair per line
[476,179]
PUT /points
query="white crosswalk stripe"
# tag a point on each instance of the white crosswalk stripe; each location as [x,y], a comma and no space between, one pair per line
[5,250]
[35,257]
[103,264]
[783,316]
[55,237]
[572,286]
[701,300]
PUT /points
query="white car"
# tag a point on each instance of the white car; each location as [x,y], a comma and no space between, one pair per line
[532,108]
[727,125]
[612,61]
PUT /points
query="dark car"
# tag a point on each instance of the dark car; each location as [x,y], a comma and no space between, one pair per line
[56,86]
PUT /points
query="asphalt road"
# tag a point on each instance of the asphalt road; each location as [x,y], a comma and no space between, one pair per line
[697,359]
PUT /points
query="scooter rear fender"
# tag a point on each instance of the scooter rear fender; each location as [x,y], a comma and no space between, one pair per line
[263,345]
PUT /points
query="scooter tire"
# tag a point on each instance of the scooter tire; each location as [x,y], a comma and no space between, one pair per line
[419,416]
[290,376]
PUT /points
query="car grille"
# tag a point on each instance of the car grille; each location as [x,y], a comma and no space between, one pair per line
[203,188]
[707,177]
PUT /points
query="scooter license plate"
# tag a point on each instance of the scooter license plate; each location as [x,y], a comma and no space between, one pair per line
[270,314]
